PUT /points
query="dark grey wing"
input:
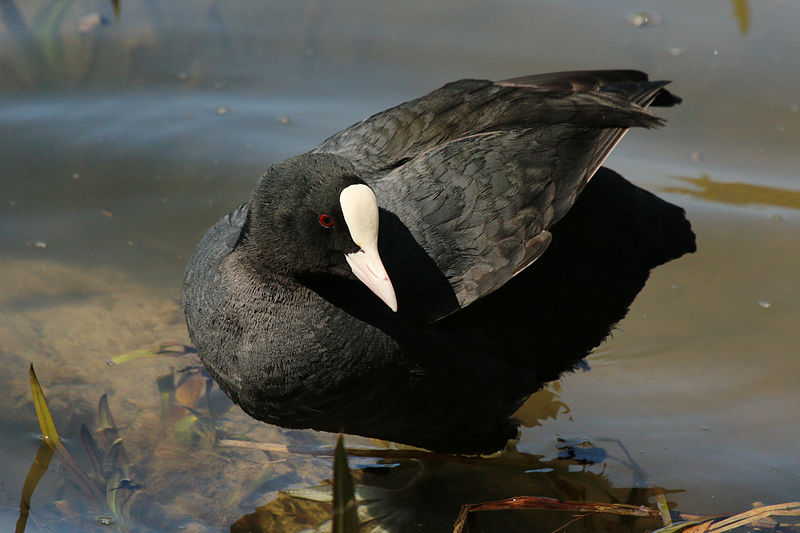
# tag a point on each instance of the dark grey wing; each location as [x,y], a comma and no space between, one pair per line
[631,85]
[480,206]
[390,138]
[477,171]
[621,81]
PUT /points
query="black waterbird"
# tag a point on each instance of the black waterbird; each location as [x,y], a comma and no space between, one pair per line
[417,275]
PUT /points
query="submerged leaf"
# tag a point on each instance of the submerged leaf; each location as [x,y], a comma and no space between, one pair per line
[92,451]
[165,348]
[190,388]
[345,516]
[166,391]
[130,356]
[184,429]
[114,496]
[104,417]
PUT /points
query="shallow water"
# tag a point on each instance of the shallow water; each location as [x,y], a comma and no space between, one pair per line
[123,144]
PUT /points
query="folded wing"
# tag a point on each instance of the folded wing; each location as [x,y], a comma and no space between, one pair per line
[477,171]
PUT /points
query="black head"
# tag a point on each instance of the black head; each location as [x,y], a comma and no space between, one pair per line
[296,223]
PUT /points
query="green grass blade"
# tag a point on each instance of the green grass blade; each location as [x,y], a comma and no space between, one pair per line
[345,515]
[50,438]
[38,468]
[49,433]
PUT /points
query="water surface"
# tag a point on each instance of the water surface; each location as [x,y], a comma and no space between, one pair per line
[124,143]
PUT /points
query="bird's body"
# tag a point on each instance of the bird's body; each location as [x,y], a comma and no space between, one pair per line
[471,181]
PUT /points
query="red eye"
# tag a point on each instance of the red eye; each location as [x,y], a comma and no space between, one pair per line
[325,221]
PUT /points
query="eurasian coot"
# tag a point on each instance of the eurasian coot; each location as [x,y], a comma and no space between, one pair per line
[415,276]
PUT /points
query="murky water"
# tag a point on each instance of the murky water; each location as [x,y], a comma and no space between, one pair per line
[124,139]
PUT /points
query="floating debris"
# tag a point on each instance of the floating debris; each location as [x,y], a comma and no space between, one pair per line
[741,11]
[90,22]
[40,244]
[283,119]
[697,157]
[107,212]
[580,450]
[105,520]
[675,51]
[643,18]
[764,304]
[222,110]
[182,75]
